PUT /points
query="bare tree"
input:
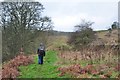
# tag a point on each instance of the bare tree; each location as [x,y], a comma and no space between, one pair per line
[20,22]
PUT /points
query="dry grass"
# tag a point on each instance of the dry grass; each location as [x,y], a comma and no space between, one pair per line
[109,40]
[103,59]
[10,69]
[88,71]
[88,54]
[55,42]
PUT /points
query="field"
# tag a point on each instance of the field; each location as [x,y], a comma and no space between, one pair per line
[96,61]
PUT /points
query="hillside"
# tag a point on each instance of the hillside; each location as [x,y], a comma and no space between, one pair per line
[61,62]
[31,46]
[108,38]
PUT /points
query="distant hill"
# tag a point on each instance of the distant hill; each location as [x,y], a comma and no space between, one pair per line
[61,33]
[102,37]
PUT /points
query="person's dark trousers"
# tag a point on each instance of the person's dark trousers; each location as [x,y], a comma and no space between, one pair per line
[40,59]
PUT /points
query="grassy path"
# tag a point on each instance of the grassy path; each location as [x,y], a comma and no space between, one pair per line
[47,70]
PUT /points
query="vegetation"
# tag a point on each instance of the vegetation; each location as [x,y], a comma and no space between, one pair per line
[82,36]
[47,70]
[21,24]
[115,25]
[10,69]
[83,53]
[74,64]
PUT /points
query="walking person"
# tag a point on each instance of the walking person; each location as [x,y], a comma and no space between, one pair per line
[41,53]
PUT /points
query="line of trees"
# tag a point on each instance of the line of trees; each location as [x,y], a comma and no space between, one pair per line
[21,23]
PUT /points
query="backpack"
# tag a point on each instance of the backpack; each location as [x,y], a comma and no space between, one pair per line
[41,52]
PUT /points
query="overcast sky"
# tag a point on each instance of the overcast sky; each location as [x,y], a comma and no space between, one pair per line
[65,14]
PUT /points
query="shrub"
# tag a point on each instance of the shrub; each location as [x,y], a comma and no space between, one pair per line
[82,36]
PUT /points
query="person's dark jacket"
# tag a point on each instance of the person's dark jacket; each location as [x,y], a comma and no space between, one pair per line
[41,50]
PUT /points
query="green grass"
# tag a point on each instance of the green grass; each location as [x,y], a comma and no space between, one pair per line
[47,70]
